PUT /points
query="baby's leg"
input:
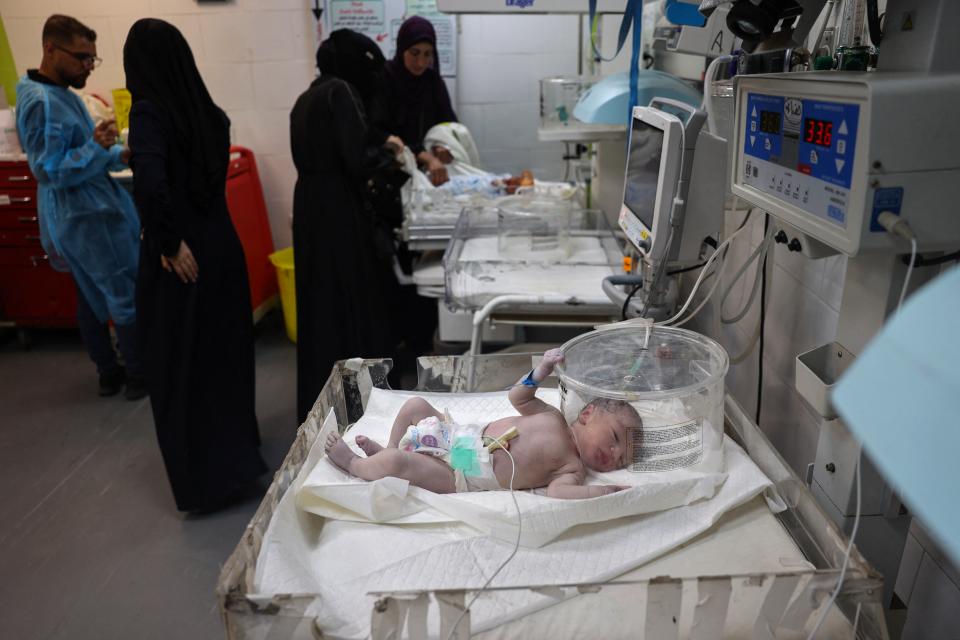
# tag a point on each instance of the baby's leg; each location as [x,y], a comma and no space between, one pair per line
[419,469]
[413,411]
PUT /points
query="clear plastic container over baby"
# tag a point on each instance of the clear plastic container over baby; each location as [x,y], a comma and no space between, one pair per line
[673,378]
[534,227]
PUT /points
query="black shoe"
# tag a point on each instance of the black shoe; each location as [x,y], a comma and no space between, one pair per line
[136,389]
[111,382]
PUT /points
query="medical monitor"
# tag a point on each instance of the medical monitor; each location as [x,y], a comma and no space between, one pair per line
[654,159]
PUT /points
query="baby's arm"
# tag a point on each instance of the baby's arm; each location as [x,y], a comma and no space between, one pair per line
[567,486]
[523,396]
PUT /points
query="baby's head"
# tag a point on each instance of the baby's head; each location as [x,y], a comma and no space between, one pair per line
[601,433]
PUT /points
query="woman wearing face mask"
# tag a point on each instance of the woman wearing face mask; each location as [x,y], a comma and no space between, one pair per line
[343,297]
[415,97]
[193,296]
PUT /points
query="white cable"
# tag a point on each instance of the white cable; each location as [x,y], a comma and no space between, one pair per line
[759,254]
[747,350]
[897,226]
[708,90]
[516,546]
[762,251]
[703,273]
[706,298]
[846,559]
[696,286]
[906,279]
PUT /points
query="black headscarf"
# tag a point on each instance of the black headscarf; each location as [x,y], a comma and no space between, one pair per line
[160,69]
[352,57]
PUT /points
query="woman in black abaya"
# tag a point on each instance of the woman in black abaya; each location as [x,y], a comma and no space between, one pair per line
[341,284]
[193,299]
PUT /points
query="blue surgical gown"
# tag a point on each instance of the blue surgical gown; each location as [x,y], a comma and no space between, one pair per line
[85,216]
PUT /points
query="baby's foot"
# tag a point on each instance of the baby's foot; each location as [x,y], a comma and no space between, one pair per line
[369,446]
[332,438]
[339,452]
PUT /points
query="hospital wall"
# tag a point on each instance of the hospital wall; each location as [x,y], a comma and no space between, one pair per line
[502,59]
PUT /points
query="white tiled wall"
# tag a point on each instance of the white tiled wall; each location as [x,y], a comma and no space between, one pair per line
[256,57]
[803,302]
[502,59]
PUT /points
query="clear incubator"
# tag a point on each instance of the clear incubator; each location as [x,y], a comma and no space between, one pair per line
[559,95]
[534,227]
[672,377]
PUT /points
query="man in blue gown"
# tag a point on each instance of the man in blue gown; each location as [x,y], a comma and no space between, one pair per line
[87,221]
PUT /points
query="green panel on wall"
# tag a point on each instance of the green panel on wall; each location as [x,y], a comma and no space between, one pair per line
[8,70]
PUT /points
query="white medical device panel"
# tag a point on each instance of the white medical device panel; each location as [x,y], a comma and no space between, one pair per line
[828,152]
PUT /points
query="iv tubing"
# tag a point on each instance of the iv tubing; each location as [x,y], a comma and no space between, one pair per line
[516,546]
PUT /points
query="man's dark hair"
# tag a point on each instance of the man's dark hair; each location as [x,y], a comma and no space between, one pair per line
[63,29]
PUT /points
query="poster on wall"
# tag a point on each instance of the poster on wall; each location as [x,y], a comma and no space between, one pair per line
[364,16]
[380,20]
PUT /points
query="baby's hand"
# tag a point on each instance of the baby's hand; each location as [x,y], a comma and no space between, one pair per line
[550,360]
[614,488]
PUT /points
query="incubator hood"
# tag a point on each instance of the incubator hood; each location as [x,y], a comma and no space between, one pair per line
[606,102]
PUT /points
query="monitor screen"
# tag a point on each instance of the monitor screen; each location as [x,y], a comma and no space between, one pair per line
[643,171]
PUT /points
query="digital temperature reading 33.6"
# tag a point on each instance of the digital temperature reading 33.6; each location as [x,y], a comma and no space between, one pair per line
[818,132]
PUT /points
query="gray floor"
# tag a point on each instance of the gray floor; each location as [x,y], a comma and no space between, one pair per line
[91,545]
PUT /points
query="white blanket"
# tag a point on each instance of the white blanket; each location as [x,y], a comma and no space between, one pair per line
[341,561]
[331,493]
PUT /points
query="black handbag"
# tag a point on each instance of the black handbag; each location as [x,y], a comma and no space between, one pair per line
[382,191]
[385,178]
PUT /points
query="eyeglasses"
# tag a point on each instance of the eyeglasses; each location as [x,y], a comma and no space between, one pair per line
[87,59]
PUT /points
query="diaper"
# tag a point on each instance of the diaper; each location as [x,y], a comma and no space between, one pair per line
[431,436]
[486,481]
[434,437]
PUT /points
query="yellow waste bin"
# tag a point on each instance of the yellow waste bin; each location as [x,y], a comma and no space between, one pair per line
[283,261]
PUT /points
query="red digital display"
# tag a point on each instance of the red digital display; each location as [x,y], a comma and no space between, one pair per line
[818,132]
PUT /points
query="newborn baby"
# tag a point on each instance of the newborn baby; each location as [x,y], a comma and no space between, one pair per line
[546,450]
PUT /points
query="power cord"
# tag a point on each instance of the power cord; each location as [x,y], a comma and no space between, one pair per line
[516,546]
[763,322]
[626,303]
[920,261]
[846,559]
[685,269]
